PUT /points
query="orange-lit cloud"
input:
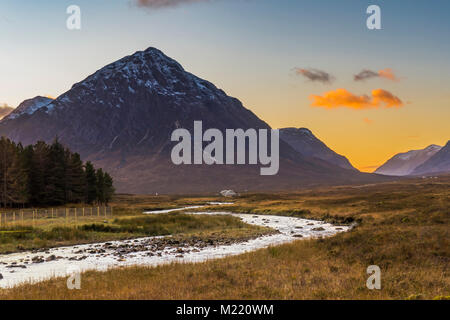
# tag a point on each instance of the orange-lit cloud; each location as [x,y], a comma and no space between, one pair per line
[368,121]
[388,74]
[369,74]
[343,98]
[315,75]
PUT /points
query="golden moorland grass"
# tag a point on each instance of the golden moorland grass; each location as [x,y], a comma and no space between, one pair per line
[53,232]
[403,227]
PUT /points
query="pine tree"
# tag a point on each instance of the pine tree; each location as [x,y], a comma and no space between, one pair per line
[56,174]
[90,183]
[75,178]
[7,155]
[100,186]
[108,188]
[18,179]
[38,173]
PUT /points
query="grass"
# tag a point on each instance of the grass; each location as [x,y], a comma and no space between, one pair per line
[29,238]
[403,228]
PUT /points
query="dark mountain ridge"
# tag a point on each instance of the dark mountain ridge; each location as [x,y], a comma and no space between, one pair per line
[306,143]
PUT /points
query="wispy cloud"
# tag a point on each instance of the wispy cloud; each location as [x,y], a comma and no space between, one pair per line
[315,75]
[158,4]
[368,121]
[369,74]
[341,98]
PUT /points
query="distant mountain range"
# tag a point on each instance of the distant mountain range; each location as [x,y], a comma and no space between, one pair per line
[438,163]
[122,116]
[432,159]
[403,164]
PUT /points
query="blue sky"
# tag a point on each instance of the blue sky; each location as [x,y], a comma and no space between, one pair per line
[249,48]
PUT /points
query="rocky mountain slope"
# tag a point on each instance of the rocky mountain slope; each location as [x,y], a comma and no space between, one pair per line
[28,107]
[438,163]
[306,143]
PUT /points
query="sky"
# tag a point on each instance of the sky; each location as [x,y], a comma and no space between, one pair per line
[368,94]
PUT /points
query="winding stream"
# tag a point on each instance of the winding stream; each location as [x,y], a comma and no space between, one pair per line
[17,268]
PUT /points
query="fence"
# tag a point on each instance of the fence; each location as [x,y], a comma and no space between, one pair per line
[69,215]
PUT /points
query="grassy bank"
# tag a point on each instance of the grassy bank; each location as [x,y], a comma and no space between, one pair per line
[127,227]
[402,227]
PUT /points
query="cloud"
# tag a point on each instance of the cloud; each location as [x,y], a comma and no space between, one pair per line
[158,4]
[343,98]
[365,74]
[381,96]
[369,74]
[368,121]
[315,75]
[388,74]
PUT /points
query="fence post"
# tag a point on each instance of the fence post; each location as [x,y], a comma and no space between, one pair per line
[83,211]
[98,211]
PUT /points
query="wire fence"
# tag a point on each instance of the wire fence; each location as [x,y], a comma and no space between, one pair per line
[64,215]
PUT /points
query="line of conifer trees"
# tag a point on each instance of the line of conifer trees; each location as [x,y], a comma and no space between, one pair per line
[49,174]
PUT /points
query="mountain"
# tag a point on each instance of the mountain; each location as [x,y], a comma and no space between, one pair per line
[28,107]
[438,163]
[403,164]
[303,141]
[122,117]
[5,110]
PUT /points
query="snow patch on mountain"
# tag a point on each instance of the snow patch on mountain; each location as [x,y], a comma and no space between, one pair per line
[29,107]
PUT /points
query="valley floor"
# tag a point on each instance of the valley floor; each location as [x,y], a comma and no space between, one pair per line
[402,227]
